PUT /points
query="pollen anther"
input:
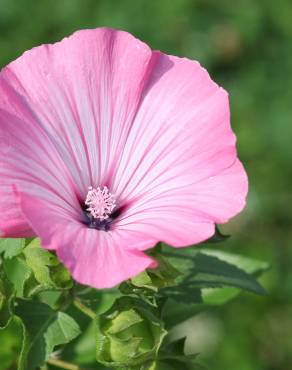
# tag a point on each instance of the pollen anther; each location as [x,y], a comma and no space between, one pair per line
[100,202]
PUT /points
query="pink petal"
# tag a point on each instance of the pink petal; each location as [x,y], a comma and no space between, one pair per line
[100,259]
[84,91]
[179,173]
[30,162]
[67,109]
[12,222]
[95,258]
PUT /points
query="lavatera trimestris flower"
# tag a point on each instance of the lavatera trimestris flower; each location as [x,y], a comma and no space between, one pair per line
[108,147]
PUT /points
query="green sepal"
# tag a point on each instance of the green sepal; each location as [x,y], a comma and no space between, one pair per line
[129,333]
[150,281]
[165,274]
[218,237]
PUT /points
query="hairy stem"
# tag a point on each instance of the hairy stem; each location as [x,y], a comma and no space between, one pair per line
[62,364]
[86,310]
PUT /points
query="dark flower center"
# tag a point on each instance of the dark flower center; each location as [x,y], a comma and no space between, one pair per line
[99,208]
[95,223]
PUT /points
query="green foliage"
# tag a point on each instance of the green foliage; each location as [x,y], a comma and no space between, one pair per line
[152,280]
[251,266]
[35,269]
[11,247]
[6,300]
[212,272]
[202,268]
[172,357]
[27,271]
[10,340]
[131,333]
[18,273]
[46,268]
[61,331]
[206,271]
[43,329]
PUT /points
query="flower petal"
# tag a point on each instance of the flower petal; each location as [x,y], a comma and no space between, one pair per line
[12,222]
[186,218]
[66,110]
[30,162]
[179,172]
[96,258]
[84,91]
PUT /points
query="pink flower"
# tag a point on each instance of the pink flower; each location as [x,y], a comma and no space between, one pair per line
[108,147]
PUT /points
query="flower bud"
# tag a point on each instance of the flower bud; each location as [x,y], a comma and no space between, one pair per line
[129,333]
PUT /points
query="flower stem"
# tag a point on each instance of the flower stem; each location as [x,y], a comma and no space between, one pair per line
[62,364]
[81,307]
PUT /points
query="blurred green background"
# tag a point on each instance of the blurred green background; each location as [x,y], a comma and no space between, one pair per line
[246,46]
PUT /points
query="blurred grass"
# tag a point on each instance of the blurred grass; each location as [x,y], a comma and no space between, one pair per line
[246,46]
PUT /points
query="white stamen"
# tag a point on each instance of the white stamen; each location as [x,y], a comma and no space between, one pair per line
[100,202]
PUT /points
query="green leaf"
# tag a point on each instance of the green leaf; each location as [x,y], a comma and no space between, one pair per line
[43,329]
[11,247]
[208,269]
[6,300]
[218,296]
[18,273]
[46,268]
[183,294]
[39,260]
[251,266]
[62,330]
[143,280]
[174,353]
[214,273]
